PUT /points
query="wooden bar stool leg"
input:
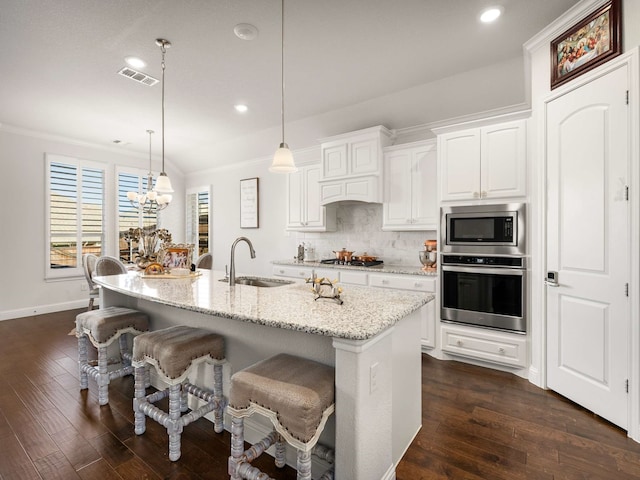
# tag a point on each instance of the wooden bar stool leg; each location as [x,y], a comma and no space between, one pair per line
[174,427]
[237,446]
[281,452]
[184,399]
[82,361]
[304,465]
[125,355]
[218,413]
[103,376]
[140,374]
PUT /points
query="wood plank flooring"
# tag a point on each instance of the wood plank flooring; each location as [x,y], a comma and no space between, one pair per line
[478,424]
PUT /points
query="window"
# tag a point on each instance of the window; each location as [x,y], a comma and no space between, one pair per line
[75,213]
[197,219]
[128,215]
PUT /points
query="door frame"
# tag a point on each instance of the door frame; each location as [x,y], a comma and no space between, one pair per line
[630,59]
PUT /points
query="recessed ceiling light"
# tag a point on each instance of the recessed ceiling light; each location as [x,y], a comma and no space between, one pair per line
[245,31]
[241,108]
[135,62]
[491,14]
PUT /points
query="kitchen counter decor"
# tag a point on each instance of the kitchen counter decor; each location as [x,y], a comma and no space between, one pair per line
[325,288]
[149,241]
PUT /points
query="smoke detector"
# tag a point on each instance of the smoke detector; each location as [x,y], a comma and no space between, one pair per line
[138,76]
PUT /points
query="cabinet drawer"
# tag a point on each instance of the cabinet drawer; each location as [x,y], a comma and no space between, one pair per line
[498,347]
[354,278]
[418,283]
[302,272]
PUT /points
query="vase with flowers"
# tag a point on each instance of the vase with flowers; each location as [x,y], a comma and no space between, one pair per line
[149,243]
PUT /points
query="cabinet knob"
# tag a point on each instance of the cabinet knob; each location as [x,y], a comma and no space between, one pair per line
[302,274]
[408,220]
[459,343]
[385,282]
[281,271]
[476,195]
[417,285]
[483,194]
[501,351]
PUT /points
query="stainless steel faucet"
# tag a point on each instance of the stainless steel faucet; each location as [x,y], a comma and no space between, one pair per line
[232,270]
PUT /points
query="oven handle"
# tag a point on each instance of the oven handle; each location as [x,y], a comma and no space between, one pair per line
[484,270]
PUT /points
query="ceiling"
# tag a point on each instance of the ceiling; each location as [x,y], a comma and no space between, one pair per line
[60,57]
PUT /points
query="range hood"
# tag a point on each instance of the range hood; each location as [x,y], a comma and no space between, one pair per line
[352,166]
[362,189]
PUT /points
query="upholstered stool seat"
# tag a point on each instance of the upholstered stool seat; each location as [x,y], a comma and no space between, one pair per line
[173,351]
[103,327]
[297,396]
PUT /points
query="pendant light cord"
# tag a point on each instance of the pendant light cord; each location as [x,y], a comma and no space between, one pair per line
[282,71]
[164,50]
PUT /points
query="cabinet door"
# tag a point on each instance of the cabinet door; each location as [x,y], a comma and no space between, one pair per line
[397,189]
[295,191]
[313,210]
[424,196]
[459,165]
[364,156]
[334,161]
[503,160]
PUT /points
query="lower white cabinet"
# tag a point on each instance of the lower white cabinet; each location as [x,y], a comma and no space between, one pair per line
[302,271]
[496,347]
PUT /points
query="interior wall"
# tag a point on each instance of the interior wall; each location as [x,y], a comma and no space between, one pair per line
[22,206]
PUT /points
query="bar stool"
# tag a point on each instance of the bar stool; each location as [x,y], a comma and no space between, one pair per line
[103,327]
[172,352]
[297,396]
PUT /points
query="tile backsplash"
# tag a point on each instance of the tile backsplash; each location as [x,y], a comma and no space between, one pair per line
[359,229]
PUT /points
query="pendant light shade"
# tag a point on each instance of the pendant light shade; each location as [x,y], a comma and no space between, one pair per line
[283,158]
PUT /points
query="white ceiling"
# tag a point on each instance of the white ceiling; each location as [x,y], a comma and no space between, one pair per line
[59,60]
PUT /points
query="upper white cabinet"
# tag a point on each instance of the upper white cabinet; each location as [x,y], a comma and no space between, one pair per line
[352,165]
[304,211]
[483,163]
[410,187]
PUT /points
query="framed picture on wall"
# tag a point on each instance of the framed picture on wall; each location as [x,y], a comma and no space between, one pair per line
[592,41]
[249,205]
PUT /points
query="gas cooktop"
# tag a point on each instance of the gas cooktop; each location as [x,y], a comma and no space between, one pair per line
[352,263]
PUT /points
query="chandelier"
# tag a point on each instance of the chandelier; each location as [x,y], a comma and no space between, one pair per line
[151,201]
[160,197]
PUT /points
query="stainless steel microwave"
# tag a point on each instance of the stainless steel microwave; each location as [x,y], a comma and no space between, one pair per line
[484,229]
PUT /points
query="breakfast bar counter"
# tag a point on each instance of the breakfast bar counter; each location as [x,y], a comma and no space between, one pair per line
[372,340]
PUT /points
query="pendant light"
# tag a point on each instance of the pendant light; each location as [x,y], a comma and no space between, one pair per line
[163,184]
[283,158]
[149,202]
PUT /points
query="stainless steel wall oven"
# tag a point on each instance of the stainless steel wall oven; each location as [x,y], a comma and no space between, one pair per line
[483,266]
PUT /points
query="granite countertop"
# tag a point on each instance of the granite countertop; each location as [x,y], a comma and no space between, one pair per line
[400,269]
[365,312]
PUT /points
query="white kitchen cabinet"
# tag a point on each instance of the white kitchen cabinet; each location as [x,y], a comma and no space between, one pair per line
[416,283]
[354,277]
[483,163]
[352,166]
[304,211]
[483,344]
[410,187]
[303,271]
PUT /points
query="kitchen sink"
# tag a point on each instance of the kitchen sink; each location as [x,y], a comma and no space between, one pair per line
[259,282]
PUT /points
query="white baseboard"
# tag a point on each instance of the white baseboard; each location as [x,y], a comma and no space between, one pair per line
[41,309]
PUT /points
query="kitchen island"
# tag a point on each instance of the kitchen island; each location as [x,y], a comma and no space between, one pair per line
[372,340]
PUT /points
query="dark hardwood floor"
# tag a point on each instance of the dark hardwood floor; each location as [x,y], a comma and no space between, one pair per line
[477,424]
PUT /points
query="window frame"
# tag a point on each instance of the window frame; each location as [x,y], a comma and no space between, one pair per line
[189,219]
[79,164]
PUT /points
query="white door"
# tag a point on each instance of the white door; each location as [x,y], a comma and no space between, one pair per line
[588,246]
